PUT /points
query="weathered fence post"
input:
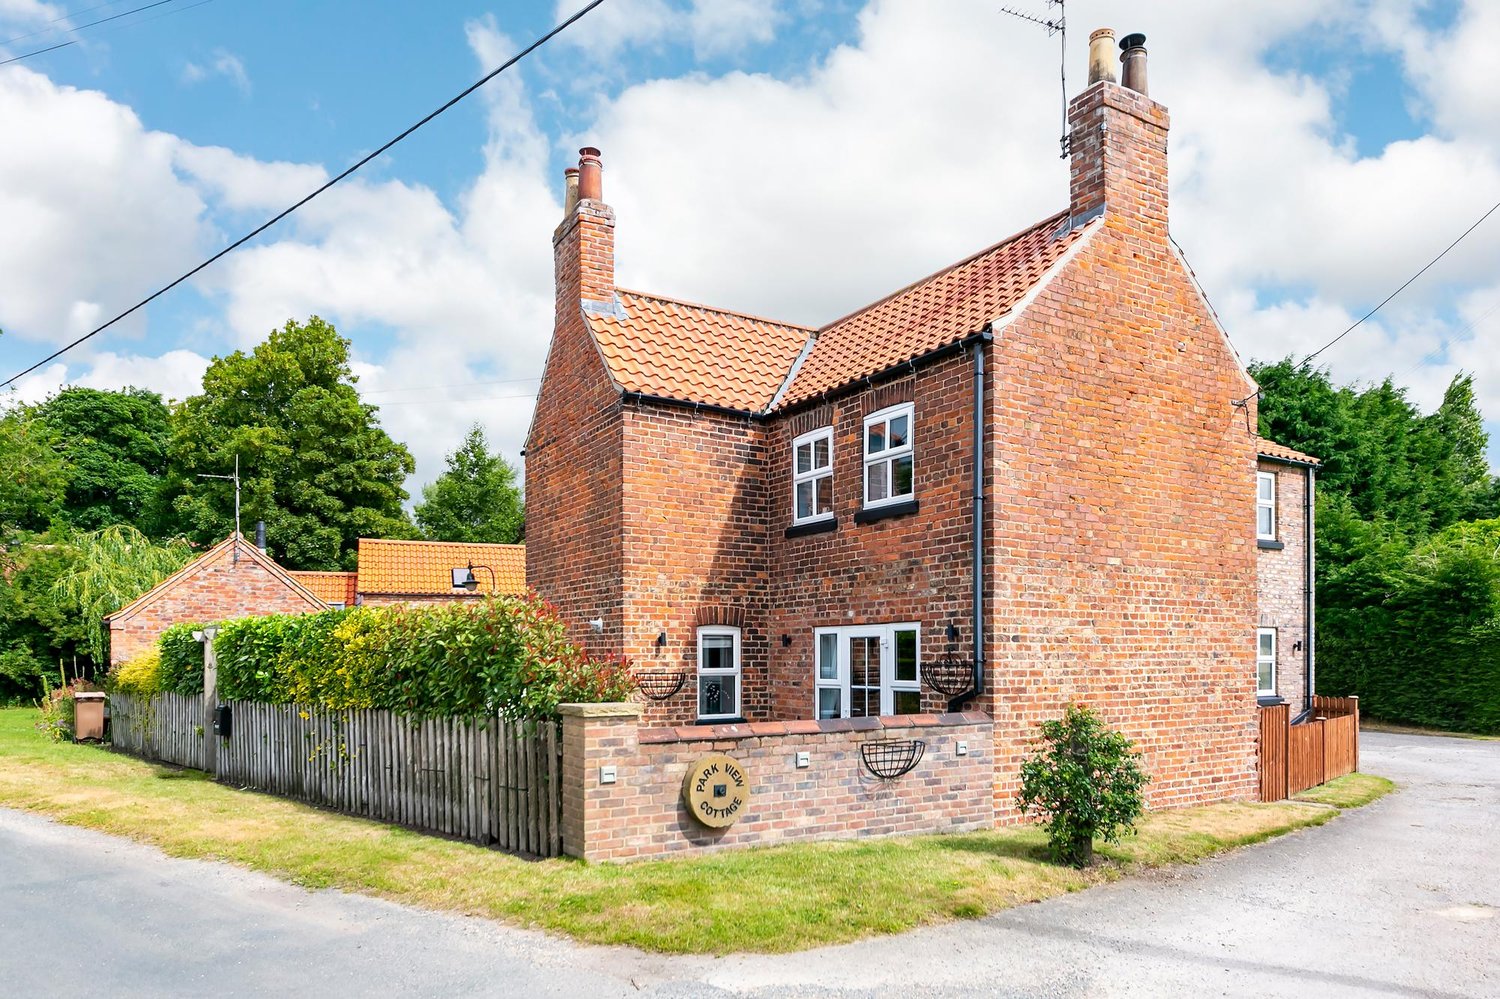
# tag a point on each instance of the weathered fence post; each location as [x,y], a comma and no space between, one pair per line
[210,698]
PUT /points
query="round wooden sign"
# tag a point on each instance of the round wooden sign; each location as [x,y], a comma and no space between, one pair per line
[716,790]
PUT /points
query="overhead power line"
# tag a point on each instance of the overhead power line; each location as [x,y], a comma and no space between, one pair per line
[556,30]
[102,20]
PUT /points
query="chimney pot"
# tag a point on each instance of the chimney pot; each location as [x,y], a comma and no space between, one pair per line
[1133,58]
[590,179]
[1103,65]
[570,190]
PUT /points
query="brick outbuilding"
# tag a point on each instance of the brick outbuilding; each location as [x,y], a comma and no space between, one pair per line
[1025,480]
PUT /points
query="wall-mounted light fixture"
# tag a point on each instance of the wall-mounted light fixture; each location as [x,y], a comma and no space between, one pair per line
[463,578]
[786,641]
[1297,646]
[952,632]
[661,639]
[597,624]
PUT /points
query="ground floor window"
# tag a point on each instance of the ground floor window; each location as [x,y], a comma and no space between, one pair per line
[868,670]
[1265,659]
[718,673]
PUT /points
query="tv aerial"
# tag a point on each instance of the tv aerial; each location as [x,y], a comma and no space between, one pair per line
[1057,25]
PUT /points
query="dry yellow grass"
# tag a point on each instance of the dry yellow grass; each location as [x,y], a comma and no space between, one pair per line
[776,899]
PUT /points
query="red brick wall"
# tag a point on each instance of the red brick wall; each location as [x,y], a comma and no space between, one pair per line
[219,589]
[642,815]
[1282,576]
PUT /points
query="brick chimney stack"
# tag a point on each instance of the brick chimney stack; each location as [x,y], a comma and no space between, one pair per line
[583,245]
[1119,142]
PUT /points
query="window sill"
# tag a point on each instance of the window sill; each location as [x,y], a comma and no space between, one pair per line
[721,721]
[1266,544]
[1269,700]
[872,514]
[813,527]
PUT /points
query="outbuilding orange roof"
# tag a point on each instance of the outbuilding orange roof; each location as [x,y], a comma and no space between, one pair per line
[418,568]
[1270,449]
[935,312]
[330,587]
[693,353]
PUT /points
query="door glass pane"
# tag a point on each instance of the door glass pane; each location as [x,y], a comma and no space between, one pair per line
[901,472]
[906,702]
[864,677]
[898,431]
[820,453]
[718,694]
[828,657]
[828,702]
[906,656]
[877,481]
[804,499]
[876,439]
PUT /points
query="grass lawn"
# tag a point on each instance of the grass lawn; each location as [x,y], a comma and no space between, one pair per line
[1348,792]
[774,899]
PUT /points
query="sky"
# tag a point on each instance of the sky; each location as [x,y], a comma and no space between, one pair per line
[790,158]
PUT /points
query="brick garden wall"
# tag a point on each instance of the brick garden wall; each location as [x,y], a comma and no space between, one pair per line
[1282,576]
[642,814]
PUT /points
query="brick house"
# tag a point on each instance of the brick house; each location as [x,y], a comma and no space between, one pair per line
[232,579]
[1284,563]
[1027,479]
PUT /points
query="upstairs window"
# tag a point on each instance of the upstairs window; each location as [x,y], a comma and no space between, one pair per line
[1265,660]
[888,456]
[1265,506]
[718,674]
[812,476]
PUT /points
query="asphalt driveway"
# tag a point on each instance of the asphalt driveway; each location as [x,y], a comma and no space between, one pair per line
[1399,898]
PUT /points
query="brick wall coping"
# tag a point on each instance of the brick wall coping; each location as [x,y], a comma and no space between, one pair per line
[610,709]
[756,730]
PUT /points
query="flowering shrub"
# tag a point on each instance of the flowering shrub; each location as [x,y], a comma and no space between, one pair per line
[140,675]
[502,655]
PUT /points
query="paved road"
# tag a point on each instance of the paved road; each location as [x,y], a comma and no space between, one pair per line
[1401,898]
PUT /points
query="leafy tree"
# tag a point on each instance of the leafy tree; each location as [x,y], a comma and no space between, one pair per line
[476,499]
[112,567]
[315,464]
[33,475]
[116,445]
[1086,781]
[37,629]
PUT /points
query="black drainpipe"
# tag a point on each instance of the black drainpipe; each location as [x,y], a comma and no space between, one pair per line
[978,500]
[1309,567]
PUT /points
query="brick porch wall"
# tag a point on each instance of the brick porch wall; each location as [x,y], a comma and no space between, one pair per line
[1282,576]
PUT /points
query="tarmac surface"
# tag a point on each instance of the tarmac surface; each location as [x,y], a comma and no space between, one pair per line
[1400,898]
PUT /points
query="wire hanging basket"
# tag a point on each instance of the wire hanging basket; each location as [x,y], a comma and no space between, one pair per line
[949,676]
[660,684]
[890,758]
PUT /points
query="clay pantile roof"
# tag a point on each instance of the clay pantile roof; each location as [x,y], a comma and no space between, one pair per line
[417,568]
[330,587]
[1270,449]
[936,311]
[694,353]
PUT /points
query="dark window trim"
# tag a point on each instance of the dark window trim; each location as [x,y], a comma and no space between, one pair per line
[813,527]
[882,512]
[721,721]
[1269,545]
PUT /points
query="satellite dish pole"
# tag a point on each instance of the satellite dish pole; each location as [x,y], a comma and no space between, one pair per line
[1055,26]
[234,553]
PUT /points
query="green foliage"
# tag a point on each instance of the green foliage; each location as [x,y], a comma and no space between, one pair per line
[141,675]
[37,629]
[112,567]
[315,464]
[116,446]
[33,475]
[181,658]
[502,655]
[1086,781]
[475,500]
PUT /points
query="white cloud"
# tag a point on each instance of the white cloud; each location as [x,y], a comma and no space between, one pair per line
[618,24]
[176,374]
[223,64]
[721,27]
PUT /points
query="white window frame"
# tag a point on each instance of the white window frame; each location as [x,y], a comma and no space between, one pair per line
[889,454]
[814,474]
[889,685]
[738,672]
[1261,660]
[1261,478]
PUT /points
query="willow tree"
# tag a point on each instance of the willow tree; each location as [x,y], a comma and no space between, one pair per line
[112,567]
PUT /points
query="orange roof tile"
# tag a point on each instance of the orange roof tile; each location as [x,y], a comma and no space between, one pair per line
[679,350]
[1267,448]
[416,568]
[330,587]
[936,311]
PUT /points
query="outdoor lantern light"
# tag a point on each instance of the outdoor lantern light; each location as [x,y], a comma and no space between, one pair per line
[464,578]
[661,639]
[198,637]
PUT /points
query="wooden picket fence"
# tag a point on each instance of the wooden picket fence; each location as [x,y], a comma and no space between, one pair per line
[1294,758]
[167,727]
[485,780]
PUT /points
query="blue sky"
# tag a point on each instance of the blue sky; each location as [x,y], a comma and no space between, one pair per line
[789,157]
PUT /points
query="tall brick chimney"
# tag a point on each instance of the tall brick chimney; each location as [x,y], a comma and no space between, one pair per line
[583,246]
[1119,143]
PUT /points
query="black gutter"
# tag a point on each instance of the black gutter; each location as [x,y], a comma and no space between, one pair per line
[700,407]
[1285,461]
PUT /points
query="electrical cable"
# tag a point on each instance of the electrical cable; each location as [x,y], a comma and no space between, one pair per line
[102,20]
[557,29]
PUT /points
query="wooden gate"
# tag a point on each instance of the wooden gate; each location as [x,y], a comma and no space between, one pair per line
[1294,758]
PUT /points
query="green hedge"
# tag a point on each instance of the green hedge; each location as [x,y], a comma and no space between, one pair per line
[500,655]
[181,660]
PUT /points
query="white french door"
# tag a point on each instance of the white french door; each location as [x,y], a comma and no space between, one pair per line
[868,670]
